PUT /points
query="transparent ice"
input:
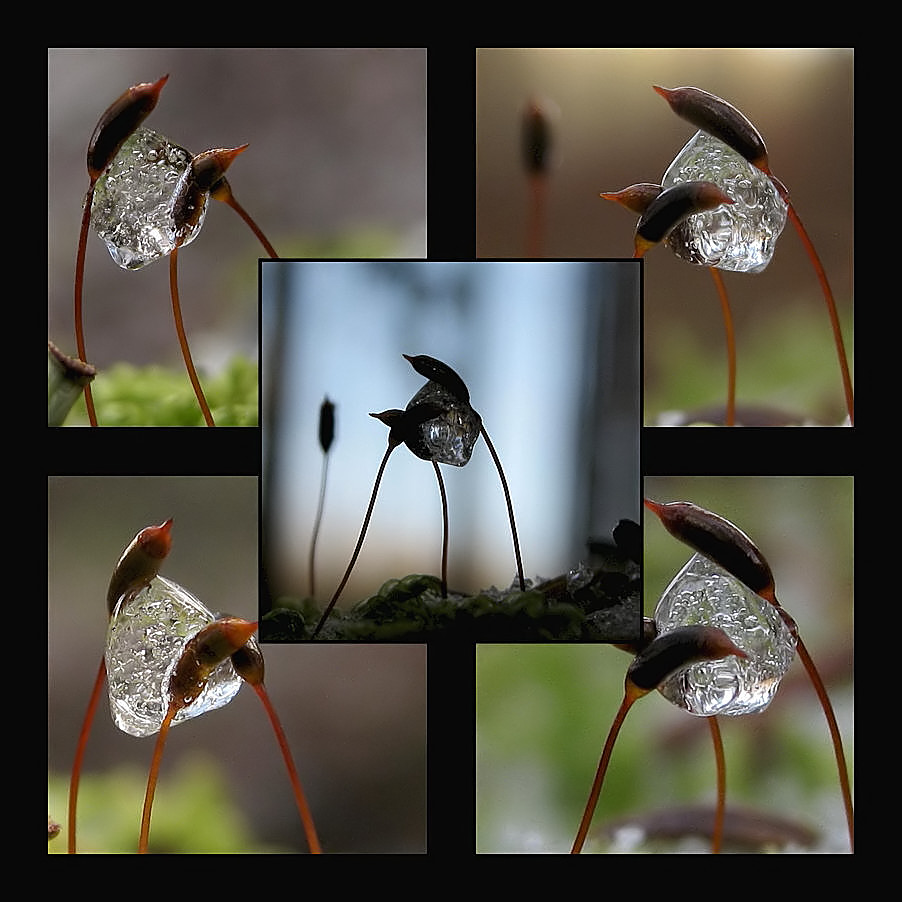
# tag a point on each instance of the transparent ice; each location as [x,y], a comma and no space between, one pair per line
[450,437]
[739,237]
[131,211]
[144,640]
[704,593]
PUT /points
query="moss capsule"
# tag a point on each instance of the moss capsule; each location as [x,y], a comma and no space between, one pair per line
[671,207]
[119,121]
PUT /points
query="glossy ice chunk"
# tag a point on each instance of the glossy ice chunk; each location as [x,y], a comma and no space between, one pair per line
[449,438]
[741,236]
[144,640]
[131,211]
[703,593]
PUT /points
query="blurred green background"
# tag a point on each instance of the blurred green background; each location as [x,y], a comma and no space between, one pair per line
[354,716]
[543,712]
[609,129]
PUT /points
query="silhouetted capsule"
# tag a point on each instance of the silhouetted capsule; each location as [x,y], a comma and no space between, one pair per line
[405,426]
[119,121]
[671,207]
[202,653]
[326,424]
[671,651]
[207,170]
[636,198]
[139,563]
[440,373]
[720,119]
[719,540]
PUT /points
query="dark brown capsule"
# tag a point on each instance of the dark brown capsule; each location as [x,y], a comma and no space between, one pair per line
[203,653]
[248,663]
[139,563]
[635,198]
[440,373]
[536,139]
[119,122]
[719,119]
[671,207]
[719,540]
[207,171]
[676,649]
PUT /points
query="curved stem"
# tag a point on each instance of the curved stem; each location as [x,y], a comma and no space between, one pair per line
[316,525]
[299,797]
[79,288]
[152,778]
[80,750]
[270,250]
[595,792]
[717,835]
[441,489]
[366,522]
[821,691]
[730,418]
[510,507]
[183,341]
[831,308]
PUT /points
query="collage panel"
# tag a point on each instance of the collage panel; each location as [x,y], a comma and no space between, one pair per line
[306,167]
[748,315]
[353,719]
[546,782]
[479,476]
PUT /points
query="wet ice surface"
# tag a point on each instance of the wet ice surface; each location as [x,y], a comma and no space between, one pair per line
[131,211]
[703,593]
[739,237]
[144,640]
[449,438]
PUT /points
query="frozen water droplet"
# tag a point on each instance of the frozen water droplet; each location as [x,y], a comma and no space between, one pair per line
[144,640]
[704,593]
[739,237]
[448,438]
[579,577]
[131,211]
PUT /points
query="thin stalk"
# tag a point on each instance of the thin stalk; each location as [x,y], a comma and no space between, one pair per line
[316,524]
[300,798]
[183,340]
[366,522]
[441,489]
[831,307]
[821,691]
[592,802]
[152,778]
[80,751]
[510,507]
[730,417]
[538,193]
[717,835]
[79,288]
